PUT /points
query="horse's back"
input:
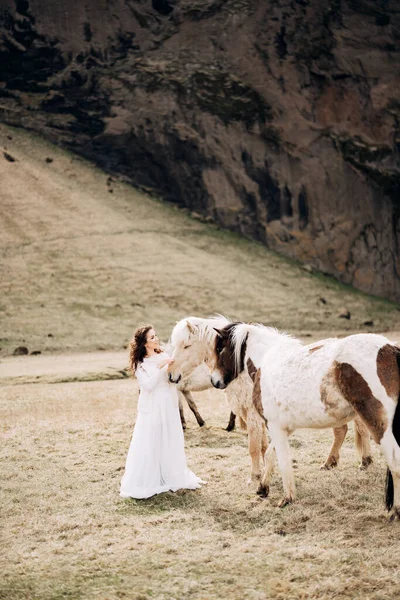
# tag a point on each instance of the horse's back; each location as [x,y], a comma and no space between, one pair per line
[308,365]
[302,386]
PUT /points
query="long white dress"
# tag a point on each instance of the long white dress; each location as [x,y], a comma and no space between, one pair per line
[156,460]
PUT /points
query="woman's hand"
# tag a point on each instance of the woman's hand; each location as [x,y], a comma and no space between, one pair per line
[166,361]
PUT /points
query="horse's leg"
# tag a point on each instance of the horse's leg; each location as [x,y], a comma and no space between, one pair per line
[339,434]
[181,413]
[232,420]
[269,464]
[391,452]
[264,442]
[362,441]
[193,407]
[380,414]
[255,426]
[280,440]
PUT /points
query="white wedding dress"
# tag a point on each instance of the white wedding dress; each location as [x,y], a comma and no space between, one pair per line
[156,460]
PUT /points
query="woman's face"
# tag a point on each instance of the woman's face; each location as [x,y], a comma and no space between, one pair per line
[152,341]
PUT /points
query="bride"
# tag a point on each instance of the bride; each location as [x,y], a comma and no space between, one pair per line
[156,460]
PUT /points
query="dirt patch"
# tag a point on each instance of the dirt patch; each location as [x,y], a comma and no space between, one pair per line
[63,368]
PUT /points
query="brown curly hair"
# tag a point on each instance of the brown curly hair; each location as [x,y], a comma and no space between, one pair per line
[137,347]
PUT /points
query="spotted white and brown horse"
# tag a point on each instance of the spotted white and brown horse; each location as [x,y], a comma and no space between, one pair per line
[322,385]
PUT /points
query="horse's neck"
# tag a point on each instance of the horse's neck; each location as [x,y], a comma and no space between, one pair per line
[198,380]
[262,341]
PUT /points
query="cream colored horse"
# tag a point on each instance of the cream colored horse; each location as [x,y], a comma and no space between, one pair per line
[191,339]
[196,381]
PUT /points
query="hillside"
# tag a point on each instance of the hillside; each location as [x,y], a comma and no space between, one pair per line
[275,119]
[85,259]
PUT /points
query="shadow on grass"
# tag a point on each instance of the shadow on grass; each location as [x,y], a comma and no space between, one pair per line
[213,437]
[161,503]
[218,512]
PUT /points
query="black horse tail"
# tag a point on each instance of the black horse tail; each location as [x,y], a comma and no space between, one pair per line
[396,433]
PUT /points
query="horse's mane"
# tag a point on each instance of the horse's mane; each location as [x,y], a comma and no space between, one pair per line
[205,328]
[239,333]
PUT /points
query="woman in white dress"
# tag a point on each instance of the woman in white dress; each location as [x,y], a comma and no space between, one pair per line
[156,460]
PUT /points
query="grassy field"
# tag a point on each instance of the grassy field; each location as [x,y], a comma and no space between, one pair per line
[68,535]
[80,268]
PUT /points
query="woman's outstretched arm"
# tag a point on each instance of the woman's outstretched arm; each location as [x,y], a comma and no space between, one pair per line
[150,377]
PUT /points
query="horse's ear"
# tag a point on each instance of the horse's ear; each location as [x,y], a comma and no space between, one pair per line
[251,368]
[219,332]
[192,328]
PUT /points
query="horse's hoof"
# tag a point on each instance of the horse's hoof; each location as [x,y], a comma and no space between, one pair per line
[285,501]
[229,428]
[263,491]
[366,461]
[394,515]
[330,464]
[201,423]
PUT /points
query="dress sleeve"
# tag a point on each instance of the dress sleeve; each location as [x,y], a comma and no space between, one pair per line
[148,377]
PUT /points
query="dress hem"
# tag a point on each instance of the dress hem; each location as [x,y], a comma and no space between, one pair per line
[142,495]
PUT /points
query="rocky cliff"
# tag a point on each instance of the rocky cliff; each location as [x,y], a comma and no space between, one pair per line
[277,119]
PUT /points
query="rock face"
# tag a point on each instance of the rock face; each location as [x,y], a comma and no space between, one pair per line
[277,119]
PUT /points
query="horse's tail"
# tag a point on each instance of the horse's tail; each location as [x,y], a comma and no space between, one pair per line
[396,433]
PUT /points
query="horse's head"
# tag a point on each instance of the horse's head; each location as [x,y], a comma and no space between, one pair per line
[189,350]
[226,361]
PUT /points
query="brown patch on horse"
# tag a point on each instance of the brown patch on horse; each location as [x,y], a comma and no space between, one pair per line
[251,368]
[388,370]
[224,355]
[331,396]
[315,348]
[243,423]
[358,393]
[255,375]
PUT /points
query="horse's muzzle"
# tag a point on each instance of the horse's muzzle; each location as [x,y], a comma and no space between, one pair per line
[172,380]
[220,385]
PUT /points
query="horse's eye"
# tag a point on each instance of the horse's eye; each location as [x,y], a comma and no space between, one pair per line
[187,346]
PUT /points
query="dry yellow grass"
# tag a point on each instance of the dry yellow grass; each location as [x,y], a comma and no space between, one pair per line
[68,534]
